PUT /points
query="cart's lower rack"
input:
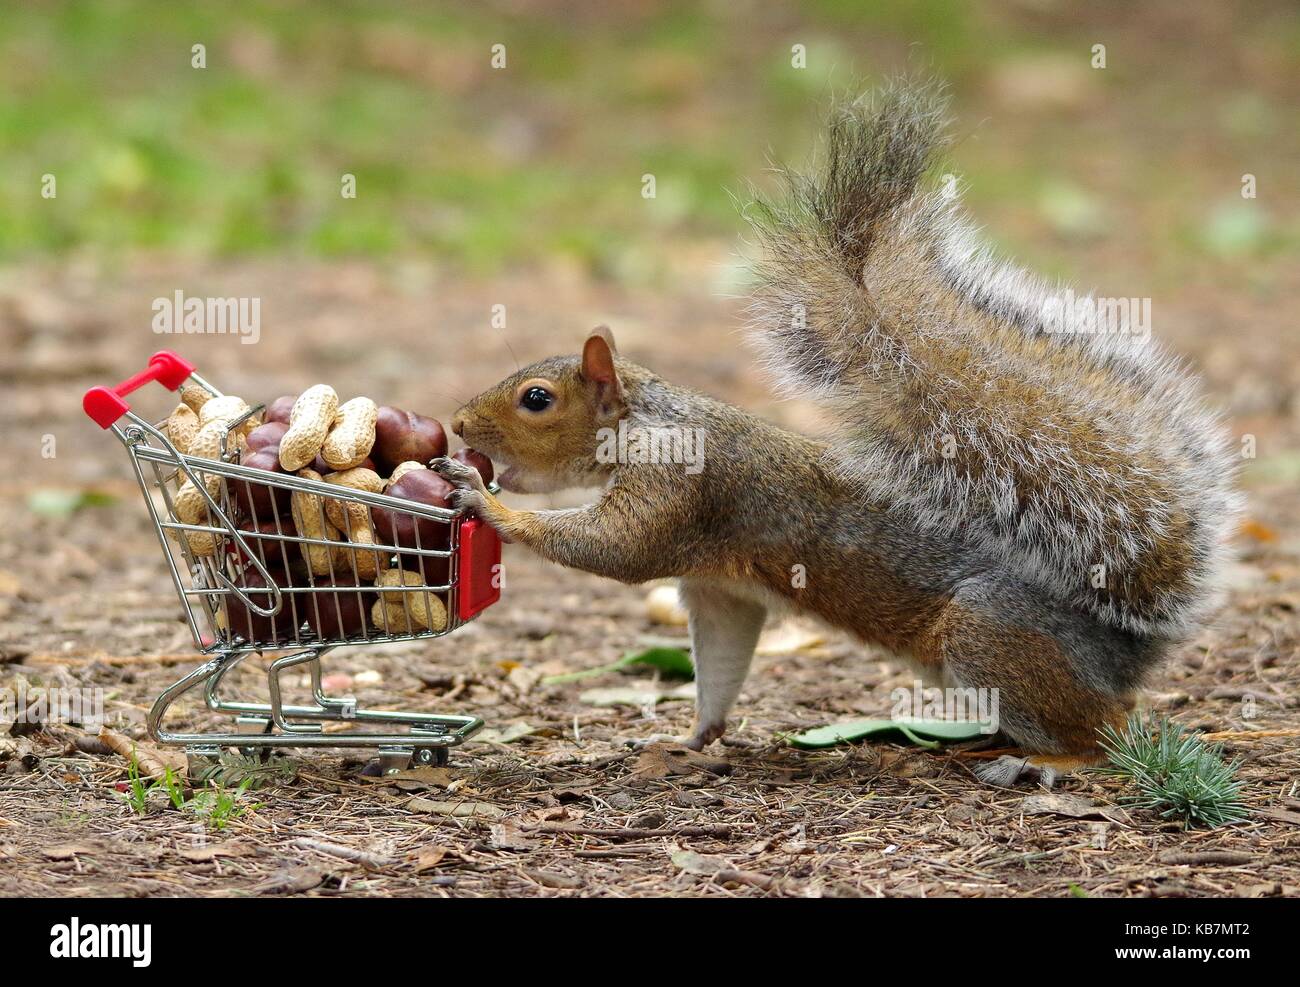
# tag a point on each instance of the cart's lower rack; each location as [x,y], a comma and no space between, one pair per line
[263,726]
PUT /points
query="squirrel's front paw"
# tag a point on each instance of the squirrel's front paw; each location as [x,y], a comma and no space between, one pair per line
[460,475]
[470,494]
[469,501]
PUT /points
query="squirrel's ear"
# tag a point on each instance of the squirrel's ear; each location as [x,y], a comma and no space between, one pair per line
[598,369]
[603,332]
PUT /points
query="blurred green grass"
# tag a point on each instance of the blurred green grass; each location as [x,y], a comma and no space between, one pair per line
[481,167]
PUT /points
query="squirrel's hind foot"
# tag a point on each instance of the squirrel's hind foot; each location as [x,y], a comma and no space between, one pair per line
[1008,769]
[697,741]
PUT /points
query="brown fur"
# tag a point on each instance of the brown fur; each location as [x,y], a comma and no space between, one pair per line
[1032,674]
[768,505]
[1014,496]
[977,399]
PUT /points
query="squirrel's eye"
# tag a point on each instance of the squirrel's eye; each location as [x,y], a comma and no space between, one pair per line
[536,399]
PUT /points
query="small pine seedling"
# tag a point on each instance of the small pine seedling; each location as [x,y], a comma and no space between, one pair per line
[1177,774]
[218,806]
[139,789]
[172,785]
[137,794]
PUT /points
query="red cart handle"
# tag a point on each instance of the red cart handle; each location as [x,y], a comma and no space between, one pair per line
[105,406]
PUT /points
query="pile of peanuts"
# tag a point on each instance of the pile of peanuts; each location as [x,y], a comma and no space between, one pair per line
[355,444]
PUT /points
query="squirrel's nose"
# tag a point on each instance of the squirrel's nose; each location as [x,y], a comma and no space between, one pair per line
[458,424]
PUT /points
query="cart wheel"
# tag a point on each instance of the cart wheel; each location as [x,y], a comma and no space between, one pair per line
[431,756]
[263,754]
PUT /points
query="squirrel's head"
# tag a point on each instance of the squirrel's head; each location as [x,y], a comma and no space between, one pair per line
[542,422]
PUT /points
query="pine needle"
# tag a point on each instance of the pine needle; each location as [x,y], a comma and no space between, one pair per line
[1177,774]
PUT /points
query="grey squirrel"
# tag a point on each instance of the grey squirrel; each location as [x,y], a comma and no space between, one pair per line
[1009,499]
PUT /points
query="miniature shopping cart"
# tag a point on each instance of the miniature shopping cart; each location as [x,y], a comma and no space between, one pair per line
[250,582]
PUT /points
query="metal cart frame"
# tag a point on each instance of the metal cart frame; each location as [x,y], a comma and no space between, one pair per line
[244,592]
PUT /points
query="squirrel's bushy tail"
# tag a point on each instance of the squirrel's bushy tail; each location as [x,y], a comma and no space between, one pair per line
[979,401]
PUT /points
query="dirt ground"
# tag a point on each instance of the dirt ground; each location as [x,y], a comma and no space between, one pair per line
[567,808]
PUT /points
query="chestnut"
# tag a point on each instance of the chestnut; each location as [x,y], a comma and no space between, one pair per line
[280,628]
[279,409]
[260,500]
[393,527]
[345,613]
[402,435]
[275,554]
[472,457]
[266,435]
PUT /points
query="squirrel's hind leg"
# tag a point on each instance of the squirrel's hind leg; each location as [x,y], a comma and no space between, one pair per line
[1050,674]
[1005,771]
[724,632]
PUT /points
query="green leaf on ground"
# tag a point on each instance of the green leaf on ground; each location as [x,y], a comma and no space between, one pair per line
[61,503]
[925,733]
[1234,229]
[673,663]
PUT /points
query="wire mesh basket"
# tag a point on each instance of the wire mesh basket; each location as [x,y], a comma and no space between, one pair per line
[268,561]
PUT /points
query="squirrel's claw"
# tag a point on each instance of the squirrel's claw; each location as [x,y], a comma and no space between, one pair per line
[470,501]
[470,494]
[697,741]
[1006,770]
[462,475]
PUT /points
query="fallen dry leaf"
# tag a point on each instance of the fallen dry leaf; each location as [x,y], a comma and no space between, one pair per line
[1071,806]
[66,851]
[458,810]
[418,779]
[523,680]
[639,695]
[152,761]
[622,696]
[908,763]
[292,880]
[789,638]
[9,747]
[503,735]
[207,854]
[508,836]
[555,813]
[663,760]
[430,858]
[698,863]
[550,879]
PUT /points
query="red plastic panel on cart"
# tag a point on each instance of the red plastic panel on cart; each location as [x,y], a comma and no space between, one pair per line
[480,568]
